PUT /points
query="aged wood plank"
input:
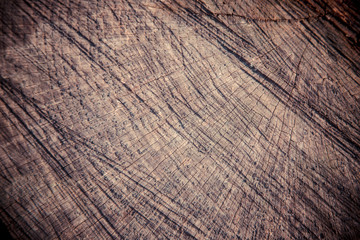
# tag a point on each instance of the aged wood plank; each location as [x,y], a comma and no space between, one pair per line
[180,119]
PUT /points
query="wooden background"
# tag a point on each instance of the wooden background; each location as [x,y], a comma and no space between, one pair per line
[180,119]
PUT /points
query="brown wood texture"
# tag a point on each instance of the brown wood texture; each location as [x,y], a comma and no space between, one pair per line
[180,119]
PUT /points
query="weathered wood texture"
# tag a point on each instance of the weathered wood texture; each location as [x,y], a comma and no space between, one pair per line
[180,119]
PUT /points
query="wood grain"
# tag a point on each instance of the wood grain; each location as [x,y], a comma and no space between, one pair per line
[180,119]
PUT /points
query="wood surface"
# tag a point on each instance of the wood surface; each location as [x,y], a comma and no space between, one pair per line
[180,119]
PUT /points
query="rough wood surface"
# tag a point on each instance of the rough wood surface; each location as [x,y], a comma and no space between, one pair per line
[180,119]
